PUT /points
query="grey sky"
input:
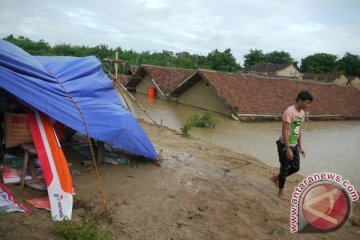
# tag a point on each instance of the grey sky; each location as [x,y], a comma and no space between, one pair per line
[300,27]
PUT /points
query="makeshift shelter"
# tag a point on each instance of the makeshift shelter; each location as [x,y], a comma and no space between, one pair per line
[76,92]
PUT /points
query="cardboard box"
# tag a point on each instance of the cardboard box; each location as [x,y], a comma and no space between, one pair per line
[17,130]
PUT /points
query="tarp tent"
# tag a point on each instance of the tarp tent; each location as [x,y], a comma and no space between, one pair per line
[76,92]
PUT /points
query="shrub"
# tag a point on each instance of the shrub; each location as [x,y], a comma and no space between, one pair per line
[207,120]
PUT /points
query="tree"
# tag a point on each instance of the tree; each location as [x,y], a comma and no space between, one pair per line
[279,57]
[319,63]
[34,48]
[185,60]
[63,50]
[349,64]
[222,61]
[254,57]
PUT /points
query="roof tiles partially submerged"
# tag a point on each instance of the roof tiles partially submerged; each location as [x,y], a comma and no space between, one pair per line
[168,78]
[269,67]
[251,95]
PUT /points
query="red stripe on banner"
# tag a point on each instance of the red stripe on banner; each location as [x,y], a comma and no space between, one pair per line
[62,168]
[40,148]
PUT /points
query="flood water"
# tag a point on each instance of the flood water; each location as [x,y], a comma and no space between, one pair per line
[331,146]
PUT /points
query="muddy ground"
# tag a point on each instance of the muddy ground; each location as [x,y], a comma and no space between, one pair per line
[198,191]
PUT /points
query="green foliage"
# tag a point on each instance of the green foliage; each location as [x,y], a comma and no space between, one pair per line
[34,48]
[257,56]
[319,63]
[185,130]
[222,61]
[89,230]
[215,60]
[279,57]
[207,120]
[254,57]
[349,64]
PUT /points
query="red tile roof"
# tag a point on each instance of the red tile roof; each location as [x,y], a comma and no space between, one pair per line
[269,67]
[123,79]
[269,96]
[168,78]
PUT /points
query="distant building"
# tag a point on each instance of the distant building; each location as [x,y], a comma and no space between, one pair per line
[354,81]
[276,70]
[132,70]
[337,78]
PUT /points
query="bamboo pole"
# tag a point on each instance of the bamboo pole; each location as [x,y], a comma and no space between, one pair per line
[123,97]
[133,98]
[116,65]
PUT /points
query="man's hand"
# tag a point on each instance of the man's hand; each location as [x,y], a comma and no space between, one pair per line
[302,151]
[289,154]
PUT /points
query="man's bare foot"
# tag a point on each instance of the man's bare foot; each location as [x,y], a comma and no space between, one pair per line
[281,195]
[275,180]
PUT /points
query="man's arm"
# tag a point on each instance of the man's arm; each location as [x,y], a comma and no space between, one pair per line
[285,136]
[301,150]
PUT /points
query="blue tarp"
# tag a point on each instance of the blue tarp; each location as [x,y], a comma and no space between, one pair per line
[70,89]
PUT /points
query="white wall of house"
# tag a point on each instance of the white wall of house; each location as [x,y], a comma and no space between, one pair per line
[342,80]
[290,71]
[144,85]
[356,83]
[202,96]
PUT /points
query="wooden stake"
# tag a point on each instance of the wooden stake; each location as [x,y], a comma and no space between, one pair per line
[116,65]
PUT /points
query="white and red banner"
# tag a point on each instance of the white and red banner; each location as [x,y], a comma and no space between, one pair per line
[54,166]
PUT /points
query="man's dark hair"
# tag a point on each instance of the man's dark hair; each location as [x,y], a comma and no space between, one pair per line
[304,95]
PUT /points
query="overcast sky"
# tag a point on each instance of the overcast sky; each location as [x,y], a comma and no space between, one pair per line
[300,27]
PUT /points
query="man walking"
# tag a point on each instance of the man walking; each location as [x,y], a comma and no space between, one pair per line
[289,144]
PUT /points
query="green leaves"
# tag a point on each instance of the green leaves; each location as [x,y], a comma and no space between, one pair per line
[349,64]
[319,63]
[215,60]
[256,56]
[207,120]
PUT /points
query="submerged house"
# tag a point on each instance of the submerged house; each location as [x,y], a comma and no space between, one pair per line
[132,70]
[354,82]
[261,97]
[336,78]
[162,79]
[124,79]
[276,70]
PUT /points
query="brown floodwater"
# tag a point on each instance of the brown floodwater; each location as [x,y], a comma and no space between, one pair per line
[331,146]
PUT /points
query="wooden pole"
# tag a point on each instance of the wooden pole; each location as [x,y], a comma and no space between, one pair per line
[100,153]
[123,97]
[116,65]
[134,99]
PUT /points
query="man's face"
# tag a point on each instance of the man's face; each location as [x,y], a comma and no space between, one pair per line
[304,104]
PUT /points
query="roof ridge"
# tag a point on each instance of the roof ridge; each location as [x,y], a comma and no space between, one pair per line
[149,65]
[214,71]
[276,78]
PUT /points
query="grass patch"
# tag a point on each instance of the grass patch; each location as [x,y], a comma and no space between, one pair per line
[207,120]
[88,230]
